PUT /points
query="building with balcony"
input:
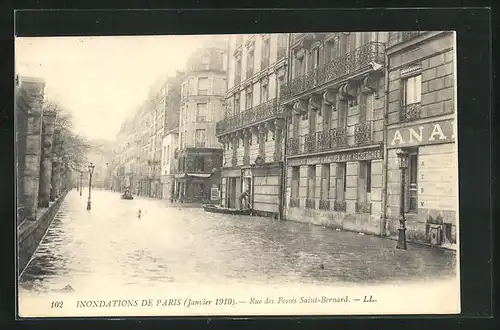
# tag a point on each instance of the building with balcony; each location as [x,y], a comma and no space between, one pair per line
[170,137]
[421,123]
[252,130]
[202,105]
[334,105]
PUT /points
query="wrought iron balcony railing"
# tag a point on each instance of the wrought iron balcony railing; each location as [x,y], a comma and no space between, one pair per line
[294,202]
[261,112]
[363,207]
[324,204]
[310,203]
[344,66]
[410,112]
[333,139]
[293,145]
[339,206]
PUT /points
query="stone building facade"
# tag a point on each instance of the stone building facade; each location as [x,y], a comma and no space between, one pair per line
[170,135]
[334,105]
[202,98]
[43,178]
[252,130]
[421,122]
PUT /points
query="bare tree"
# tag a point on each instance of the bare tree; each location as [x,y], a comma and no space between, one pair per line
[68,145]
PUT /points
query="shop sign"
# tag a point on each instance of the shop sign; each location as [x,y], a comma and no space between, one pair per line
[346,156]
[422,134]
[214,194]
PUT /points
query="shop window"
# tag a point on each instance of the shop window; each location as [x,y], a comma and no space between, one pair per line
[341,178]
[412,186]
[325,181]
[365,181]
[295,184]
[311,181]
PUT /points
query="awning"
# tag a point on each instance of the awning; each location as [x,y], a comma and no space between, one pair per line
[193,175]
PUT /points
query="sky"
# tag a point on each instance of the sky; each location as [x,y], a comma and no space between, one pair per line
[102,80]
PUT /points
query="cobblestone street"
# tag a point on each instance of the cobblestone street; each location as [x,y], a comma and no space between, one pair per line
[187,245]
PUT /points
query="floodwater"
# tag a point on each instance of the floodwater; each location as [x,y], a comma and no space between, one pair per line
[111,245]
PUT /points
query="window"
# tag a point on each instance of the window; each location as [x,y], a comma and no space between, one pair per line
[315,58]
[201,112]
[249,99]
[296,125]
[412,90]
[412,196]
[342,115]
[237,75]
[262,144]
[199,164]
[264,90]
[236,103]
[366,108]
[299,66]
[341,178]
[250,60]
[203,86]
[168,154]
[365,181]
[200,136]
[266,52]
[295,182]
[311,181]
[278,86]
[325,181]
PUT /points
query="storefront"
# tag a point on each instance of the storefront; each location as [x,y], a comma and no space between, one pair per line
[431,184]
[231,187]
[264,184]
[337,190]
[196,187]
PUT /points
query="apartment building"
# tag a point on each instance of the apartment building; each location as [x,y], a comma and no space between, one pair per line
[202,98]
[253,127]
[334,105]
[421,129]
[170,138]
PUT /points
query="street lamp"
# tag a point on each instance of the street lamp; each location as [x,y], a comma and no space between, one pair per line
[81,182]
[403,165]
[91,170]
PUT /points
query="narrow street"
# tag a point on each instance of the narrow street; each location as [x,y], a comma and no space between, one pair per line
[110,244]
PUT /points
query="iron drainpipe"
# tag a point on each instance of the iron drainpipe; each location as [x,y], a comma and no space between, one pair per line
[285,135]
[385,161]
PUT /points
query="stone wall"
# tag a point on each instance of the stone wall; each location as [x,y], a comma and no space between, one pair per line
[437,192]
[31,233]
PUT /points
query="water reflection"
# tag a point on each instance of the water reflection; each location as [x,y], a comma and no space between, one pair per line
[170,244]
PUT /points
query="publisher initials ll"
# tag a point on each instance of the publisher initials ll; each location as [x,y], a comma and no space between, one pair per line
[369,299]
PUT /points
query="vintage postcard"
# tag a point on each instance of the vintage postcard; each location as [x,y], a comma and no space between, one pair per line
[245,174]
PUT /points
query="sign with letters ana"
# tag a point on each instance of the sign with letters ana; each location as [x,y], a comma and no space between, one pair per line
[345,156]
[422,134]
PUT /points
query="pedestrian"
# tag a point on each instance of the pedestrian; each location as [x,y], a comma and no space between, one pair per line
[245,197]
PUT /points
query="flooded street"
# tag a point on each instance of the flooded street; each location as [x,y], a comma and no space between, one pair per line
[111,246]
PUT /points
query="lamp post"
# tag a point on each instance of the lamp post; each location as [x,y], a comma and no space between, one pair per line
[91,170]
[403,165]
[81,182]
